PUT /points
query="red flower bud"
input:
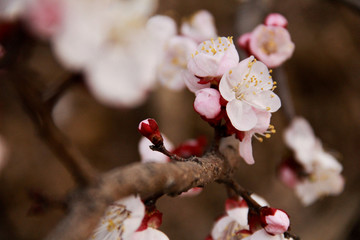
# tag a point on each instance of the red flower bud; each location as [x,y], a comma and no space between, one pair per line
[150,129]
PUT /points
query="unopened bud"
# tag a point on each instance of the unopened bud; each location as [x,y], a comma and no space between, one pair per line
[276,19]
[150,129]
[207,103]
[274,221]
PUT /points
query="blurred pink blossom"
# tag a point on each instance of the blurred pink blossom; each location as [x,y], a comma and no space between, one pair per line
[200,27]
[271,45]
[322,174]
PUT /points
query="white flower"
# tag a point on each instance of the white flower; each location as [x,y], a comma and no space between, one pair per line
[108,40]
[213,58]
[200,27]
[177,51]
[235,222]
[121,219]
[322,169]
[247,87]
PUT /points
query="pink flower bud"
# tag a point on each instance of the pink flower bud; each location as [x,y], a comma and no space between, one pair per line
[150,129]
[276,19]
[274,221]
[207,103]
[244,40]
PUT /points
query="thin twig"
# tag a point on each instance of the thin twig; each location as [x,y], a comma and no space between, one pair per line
[72,159]
[51,96]
[243,193]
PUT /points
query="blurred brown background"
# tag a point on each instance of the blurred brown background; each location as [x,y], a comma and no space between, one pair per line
[324,78]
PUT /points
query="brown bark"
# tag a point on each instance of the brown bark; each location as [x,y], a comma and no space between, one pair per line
[144,179]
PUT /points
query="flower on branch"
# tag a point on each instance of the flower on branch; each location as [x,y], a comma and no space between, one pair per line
[213,58]
[270,43]
[248,88]
[121,219]
[238,220]
[319,173]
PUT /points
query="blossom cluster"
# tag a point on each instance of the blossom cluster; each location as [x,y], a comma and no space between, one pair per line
[244,222]
[238,94]
[117,45]
[312,172]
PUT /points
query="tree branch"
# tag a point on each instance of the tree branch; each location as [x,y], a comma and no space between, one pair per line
[143,179]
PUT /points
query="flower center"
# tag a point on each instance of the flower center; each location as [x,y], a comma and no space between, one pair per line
[214,47]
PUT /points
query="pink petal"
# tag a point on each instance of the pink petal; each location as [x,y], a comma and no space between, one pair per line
[245,150]
[207,103]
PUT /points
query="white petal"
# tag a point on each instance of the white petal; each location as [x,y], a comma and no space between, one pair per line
[192,82]
[220,226]
[241,115]
[263,235]
[299,136]
[260,200]
[265,100]
[245,149]
[149,234]
[137,212]
[240,215]
[162,27]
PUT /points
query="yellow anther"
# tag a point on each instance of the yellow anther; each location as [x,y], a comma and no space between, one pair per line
[203,48]
[268,135]
[261,72]
[207,51]
[230,72]
[273,131]
[247,85]
[254,93]
[213,51]
[268,108]
[275,82]
[192,55]
[212,40]
[273,88]
[260,139]
[196,53]
[271,126]
[270,71]
[270,77]
[219,39]
[272,95]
